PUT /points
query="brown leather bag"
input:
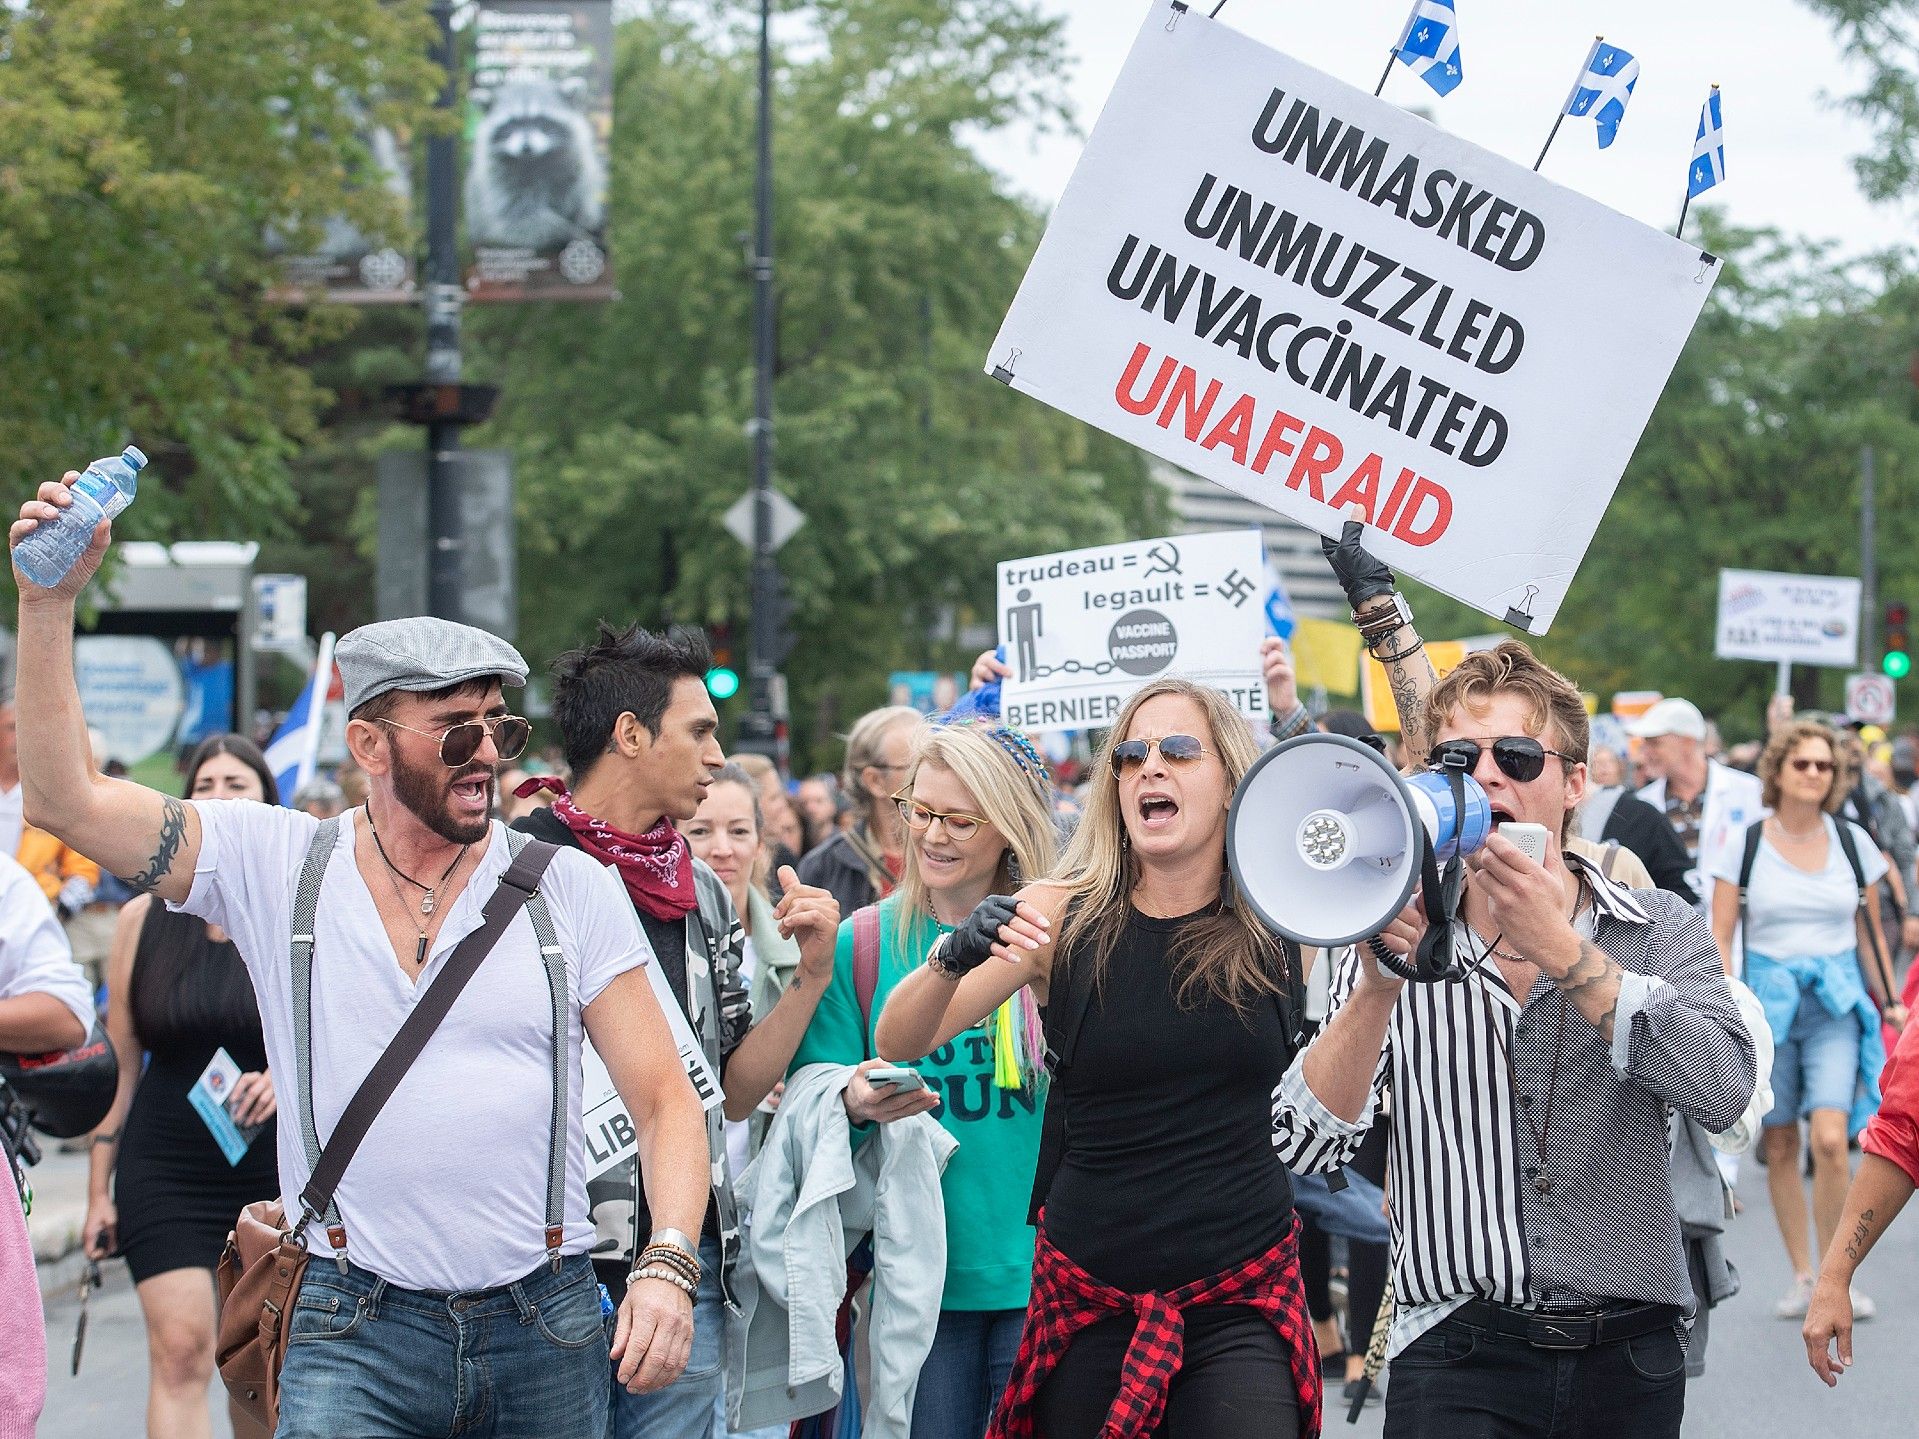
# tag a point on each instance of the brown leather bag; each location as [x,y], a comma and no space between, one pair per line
[265,1259]
[258,1276]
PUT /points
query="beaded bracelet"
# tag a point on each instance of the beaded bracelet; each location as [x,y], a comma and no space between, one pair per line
[677,1260]
[691,1291]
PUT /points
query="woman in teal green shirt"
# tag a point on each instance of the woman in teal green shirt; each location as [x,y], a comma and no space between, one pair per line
[978,811]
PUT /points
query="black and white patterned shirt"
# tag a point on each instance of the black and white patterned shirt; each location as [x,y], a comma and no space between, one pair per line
[1467,1218]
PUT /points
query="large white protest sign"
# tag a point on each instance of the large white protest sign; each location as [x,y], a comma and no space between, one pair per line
[1795,619]
[1085,628]
[1316,299]
[610,1136]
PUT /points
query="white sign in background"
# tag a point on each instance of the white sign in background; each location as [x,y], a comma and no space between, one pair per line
[1084,629]
[1270,278]
[1791,619]
[1870,699]
[130,691]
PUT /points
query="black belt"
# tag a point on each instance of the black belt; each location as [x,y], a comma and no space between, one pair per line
[1545,1329]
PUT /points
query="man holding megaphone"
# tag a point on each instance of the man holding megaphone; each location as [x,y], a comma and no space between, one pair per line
[1540,1270]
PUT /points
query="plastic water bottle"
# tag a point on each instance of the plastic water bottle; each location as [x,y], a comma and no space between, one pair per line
[106,489]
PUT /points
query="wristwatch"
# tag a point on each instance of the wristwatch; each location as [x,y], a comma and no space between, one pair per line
[1378,623]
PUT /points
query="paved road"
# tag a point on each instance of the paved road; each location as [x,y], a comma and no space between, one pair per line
[1756,1381]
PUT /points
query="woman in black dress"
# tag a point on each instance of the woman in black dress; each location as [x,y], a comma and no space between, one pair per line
[178,991]
[1167,1299]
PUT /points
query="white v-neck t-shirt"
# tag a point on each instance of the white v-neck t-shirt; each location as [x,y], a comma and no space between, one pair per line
[448,1189]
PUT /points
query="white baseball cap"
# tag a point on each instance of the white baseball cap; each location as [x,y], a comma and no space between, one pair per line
[1669,716]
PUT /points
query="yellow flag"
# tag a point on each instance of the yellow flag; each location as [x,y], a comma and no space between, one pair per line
[1326,652]
[1378,695]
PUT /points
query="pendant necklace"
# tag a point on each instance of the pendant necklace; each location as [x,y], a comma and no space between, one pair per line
[429,894]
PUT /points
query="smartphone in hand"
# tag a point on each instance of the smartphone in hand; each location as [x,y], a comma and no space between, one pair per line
[896,1076]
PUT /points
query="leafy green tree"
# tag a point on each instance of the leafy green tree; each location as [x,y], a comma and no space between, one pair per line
[145,150]
[898,252]
[1882,38]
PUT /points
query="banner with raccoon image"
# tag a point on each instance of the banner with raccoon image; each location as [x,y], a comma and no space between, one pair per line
[539,127]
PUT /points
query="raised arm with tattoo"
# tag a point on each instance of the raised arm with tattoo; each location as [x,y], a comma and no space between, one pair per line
[150,840]
[1386,625]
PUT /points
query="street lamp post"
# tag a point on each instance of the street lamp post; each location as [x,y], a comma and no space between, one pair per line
[766,638]
[445,569]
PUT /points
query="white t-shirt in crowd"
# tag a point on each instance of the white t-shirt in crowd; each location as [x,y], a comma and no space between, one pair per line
[448,1190]
[34,955]
[13,821]
[1790,913]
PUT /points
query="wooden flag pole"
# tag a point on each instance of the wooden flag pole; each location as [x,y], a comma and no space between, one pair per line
[1566,104]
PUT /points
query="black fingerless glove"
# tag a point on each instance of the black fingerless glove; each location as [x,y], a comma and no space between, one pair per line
[971,945]
[1360,574]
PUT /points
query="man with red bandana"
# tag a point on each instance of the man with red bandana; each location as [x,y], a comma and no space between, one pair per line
[641,738]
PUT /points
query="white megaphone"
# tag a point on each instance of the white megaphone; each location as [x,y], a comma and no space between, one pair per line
[1326,840]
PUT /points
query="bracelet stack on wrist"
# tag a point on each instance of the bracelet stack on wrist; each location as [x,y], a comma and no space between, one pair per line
[656,1271]
[670,1256]
[1375,627]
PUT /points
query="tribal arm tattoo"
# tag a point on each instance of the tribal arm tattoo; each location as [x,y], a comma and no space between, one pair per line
[1592,985]
[173,832]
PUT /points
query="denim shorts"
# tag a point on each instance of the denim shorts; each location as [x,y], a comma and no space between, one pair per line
[1816,1066]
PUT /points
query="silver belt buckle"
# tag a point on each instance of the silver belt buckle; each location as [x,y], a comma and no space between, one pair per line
[1562,1331]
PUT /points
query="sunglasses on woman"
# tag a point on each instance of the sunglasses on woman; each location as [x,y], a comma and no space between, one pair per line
[960,826]
[1130,754]
[1812,766]
[460,742]
[1519,757]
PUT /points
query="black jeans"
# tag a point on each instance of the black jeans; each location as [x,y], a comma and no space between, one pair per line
[1235,1380]
[1459,1382]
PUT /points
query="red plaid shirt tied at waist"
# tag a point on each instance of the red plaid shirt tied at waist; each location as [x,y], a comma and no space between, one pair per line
[1066,1299]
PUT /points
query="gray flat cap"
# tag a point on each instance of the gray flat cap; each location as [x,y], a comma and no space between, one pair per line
[421,653]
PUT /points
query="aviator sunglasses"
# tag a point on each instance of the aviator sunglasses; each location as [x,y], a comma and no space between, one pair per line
[1173,748]
[1811,766]
[1519,757]
[460,742]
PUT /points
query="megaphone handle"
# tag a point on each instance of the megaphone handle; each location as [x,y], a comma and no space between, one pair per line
[1434,957]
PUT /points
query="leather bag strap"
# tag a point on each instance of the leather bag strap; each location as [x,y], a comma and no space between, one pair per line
[518,885]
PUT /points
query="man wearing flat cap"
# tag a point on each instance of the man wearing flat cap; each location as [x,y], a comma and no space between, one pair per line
[449,1289]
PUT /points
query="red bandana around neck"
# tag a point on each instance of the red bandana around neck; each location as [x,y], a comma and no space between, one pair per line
[657,866]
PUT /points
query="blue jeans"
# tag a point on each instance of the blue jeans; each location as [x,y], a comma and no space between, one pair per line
[367,1358]
[966,1372]
[1817,1067]
[684,1409]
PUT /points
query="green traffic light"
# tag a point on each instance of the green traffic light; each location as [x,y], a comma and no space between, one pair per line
[1897,664]
[722,683]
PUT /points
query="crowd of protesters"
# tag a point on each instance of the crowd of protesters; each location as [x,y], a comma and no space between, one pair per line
[953,1099]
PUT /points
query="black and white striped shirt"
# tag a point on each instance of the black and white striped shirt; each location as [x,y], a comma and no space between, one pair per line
[1467,1221]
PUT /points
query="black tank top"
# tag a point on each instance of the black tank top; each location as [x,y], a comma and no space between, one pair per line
[1169,1172]
[192,996]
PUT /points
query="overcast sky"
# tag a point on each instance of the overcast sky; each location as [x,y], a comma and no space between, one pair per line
[1788,143]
